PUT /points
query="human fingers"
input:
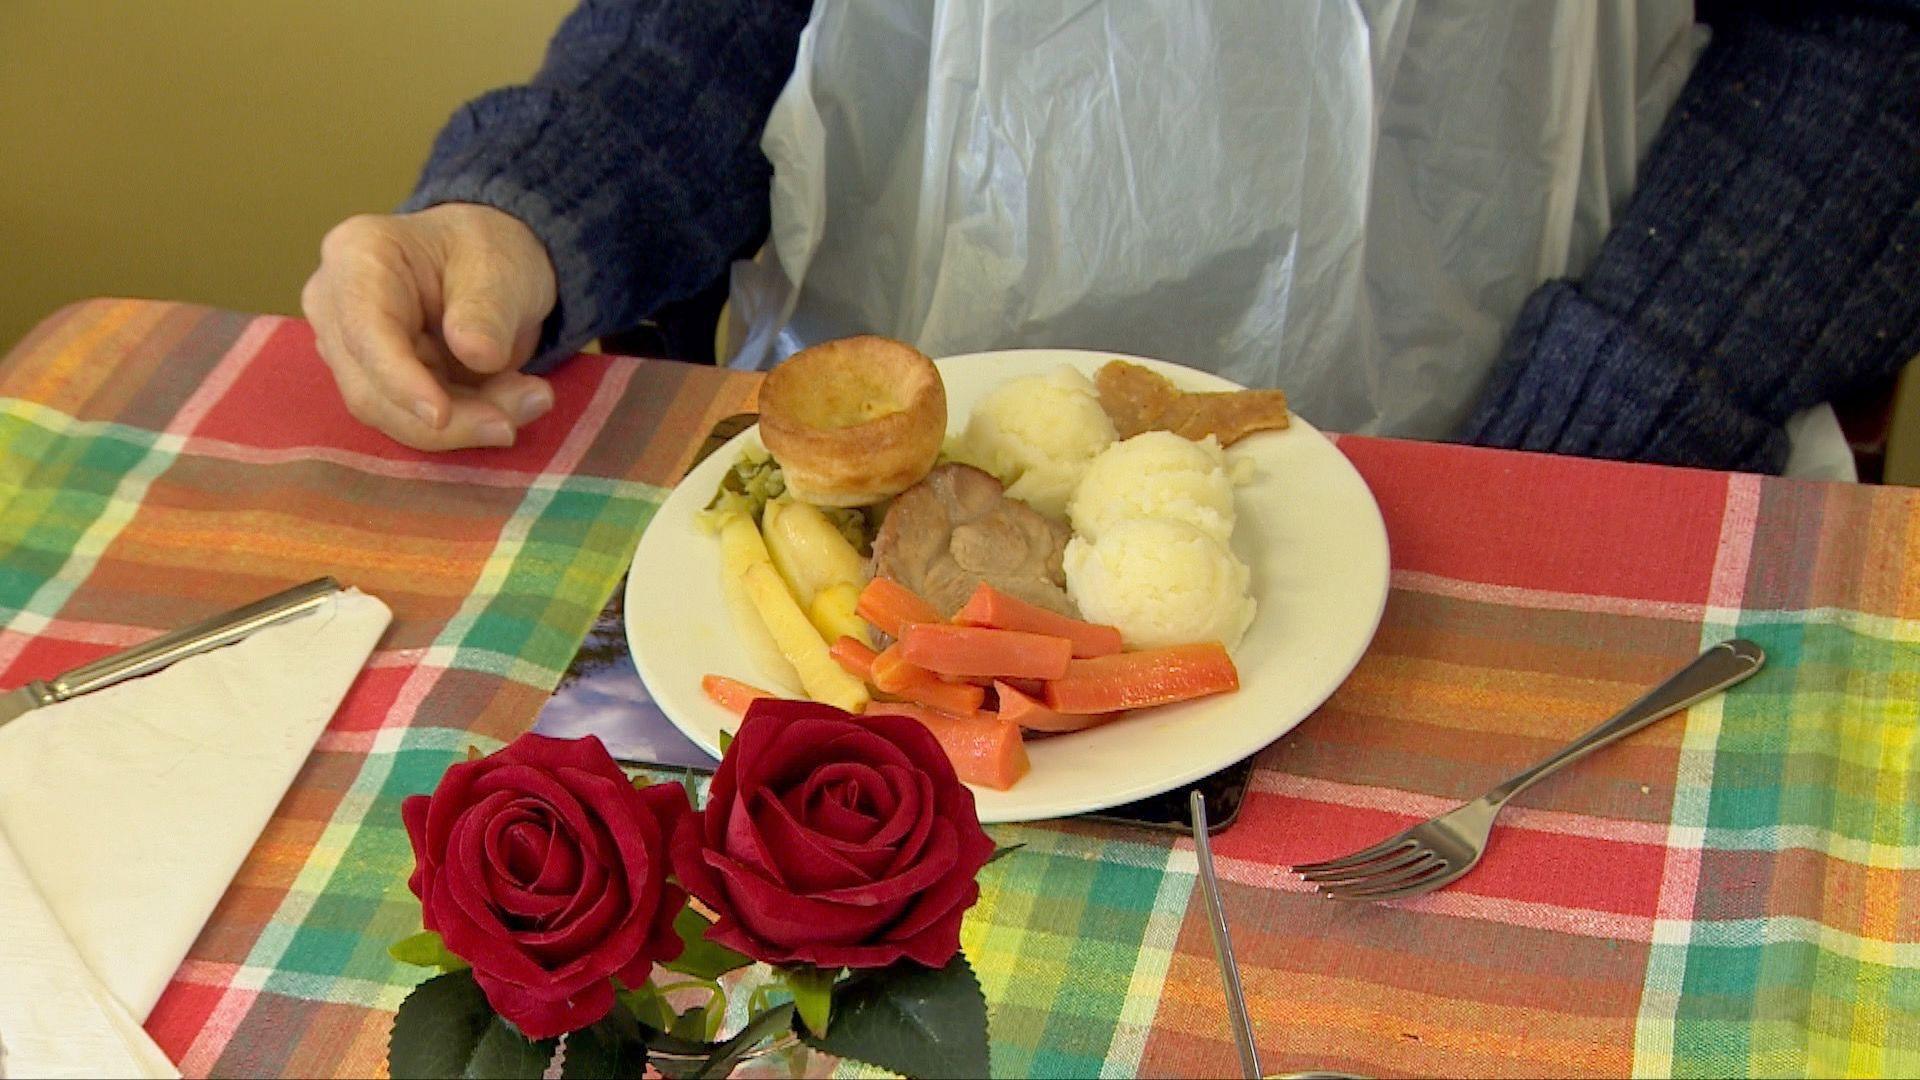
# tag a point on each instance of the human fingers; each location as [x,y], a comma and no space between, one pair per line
[524,398]
[498,287]
[472,420]
[371,297]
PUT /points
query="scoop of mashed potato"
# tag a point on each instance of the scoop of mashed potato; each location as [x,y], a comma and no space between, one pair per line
[1037,434]
[1161,582]
[1156,474]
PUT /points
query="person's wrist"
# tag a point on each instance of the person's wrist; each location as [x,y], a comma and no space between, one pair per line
[512,239]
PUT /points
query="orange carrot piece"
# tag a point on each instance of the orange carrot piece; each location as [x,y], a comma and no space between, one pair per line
[984,749]
[1135,680]
[1033,688]
[732,694]
[989,606]
[949,697]
[891,606]
[980,650]
[854,655]
[1018,708]
[892,674]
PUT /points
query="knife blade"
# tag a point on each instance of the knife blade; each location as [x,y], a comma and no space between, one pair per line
[223,629]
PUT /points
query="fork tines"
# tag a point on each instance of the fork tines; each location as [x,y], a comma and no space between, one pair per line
[1397,867]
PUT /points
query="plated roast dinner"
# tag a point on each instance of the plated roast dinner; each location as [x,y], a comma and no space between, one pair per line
[1063,560]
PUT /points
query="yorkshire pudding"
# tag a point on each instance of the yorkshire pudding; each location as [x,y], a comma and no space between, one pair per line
[853,421]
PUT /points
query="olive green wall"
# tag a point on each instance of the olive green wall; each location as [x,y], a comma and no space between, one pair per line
[198,149]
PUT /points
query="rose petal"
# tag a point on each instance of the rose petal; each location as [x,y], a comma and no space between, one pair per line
[540,1013]
[804,862]
[560,874]
[778,918]
[564,805]
[594,926]
[933,902]
[796,750]
[413,814]
[936,862]
[846,800]
[518,858]
[467,921]
[915,817]
[524,846]
[639,865]
[835,821]
[451,799]
[743,841]
[912,739]
[547,754]
[663,942]
[936,943]
[877,802]
[689,846]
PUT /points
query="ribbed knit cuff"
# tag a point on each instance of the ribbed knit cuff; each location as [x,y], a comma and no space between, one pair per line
[1769,261]
[1578,379]
[525,152]
[1775,236]
[634,155]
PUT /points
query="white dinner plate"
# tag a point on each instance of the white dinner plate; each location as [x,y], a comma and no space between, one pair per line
[1308,528]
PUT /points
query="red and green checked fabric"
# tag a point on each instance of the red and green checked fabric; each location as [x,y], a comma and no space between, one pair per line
[1735,892]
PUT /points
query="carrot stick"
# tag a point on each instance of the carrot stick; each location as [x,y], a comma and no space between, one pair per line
[984,749]
[1018,708]
[894,675]
[891,606]
[989,606]
[1135,680]
[1033,688]
[979,650]
[892,672]
[732,694]
[946,696]
[854,655]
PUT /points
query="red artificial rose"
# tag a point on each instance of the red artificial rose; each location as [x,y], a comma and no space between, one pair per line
[835,840]
[544,869]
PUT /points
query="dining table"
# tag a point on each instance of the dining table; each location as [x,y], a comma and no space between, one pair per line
[1732,891]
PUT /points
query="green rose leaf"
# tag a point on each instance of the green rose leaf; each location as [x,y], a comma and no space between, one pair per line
[701,1023]
[728,1055]
[726,740]
[812,990]
[648,1006]
[911,1020]
[1001,853]
[446,1028]
[702,959]
[613,1049]
[683,1059]
[425,949]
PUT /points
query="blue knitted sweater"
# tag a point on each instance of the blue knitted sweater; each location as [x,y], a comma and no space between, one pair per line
[1769,260]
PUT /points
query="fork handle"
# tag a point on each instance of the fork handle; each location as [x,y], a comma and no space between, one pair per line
[1711,672]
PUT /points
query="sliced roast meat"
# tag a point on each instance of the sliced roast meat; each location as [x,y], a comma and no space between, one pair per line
[956,528]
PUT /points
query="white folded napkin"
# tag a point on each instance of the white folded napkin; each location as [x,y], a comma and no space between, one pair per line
[131,808]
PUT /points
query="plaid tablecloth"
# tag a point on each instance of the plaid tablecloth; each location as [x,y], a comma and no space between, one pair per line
[1732,892]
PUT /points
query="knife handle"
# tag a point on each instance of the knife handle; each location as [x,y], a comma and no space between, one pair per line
[198,638]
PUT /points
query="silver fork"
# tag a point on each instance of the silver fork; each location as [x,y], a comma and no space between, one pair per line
[1435,853]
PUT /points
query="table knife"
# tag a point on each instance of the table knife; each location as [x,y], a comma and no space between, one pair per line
[169,648]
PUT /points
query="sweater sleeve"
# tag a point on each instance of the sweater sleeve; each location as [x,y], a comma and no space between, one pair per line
[633,154]
[1769,261]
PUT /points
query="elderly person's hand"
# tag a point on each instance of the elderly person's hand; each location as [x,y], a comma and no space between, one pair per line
[426,319]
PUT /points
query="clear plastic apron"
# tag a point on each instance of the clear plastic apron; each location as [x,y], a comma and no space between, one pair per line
[1349,200]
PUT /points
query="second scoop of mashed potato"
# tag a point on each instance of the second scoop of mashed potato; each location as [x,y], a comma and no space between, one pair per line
[1037,434]
[1156,474]
[1161,582]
